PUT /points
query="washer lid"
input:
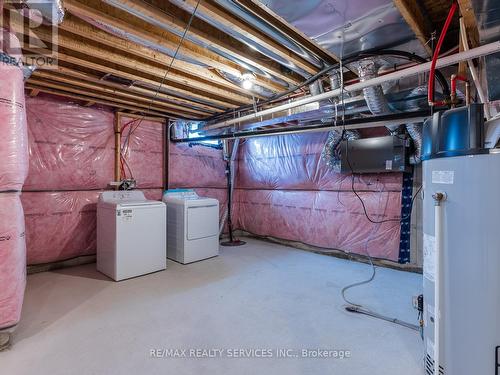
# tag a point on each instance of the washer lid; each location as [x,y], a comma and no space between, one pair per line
[127,198]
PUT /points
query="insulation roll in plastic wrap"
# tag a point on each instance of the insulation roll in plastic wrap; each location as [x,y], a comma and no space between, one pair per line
[13,140]
[71,147]
[12,259]
[60,225]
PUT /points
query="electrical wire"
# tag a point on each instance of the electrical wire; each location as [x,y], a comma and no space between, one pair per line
[132,129]
[356,307]
[395,53]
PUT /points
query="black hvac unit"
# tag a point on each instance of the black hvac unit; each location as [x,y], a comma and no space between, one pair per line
[376,155]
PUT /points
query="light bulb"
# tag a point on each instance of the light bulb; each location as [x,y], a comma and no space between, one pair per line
[247,84]
[247,80]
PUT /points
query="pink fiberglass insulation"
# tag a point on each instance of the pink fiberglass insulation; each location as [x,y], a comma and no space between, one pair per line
[326,219]
[12,259]
[13,140]
[196,166]
[71,147]
[294,162]
[9,44]
[142,148]
[284,182]
[60,225]
[153,194]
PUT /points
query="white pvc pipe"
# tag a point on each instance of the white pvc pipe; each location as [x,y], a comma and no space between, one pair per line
[474,53]
[473,71]
[438,232]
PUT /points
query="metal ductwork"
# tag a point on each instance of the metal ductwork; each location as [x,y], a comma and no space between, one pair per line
[415,132]
[379,105]
[316,87]
[331,152]
[374,95]
[266,28]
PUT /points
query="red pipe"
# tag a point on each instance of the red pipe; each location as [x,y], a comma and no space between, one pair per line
[454,79]
[430,92]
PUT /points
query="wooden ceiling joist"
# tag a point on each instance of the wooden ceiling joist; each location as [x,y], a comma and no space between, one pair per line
[132,103]
[105,69]
[76,26]
[34,92]
[181,103]
[414,17]
[182,84]
[173,18]
[159,37]
[119,94]
[86,98]
[470,21]
[118,53]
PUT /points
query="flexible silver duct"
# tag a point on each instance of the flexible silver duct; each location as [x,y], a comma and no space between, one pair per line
[374,95]
[415,132]
[378,105]
[316,87]
[331,152]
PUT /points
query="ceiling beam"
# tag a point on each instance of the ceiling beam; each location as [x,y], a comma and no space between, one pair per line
[34,92]
[79,45]
[105,69]
[414,17]
[68,72]
[166,40]
[86,98]
[175,19]
[133,115]
[119,93]
[94,96]
[134,77]
[470,20]
[78,26]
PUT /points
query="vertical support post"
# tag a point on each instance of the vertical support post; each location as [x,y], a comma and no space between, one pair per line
[497,360]
[118,141]
[166,152]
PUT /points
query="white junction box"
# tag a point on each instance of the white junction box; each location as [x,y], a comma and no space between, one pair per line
[192,226]
[131,238]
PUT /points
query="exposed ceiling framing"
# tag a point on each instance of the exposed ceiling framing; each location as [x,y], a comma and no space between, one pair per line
[116,53]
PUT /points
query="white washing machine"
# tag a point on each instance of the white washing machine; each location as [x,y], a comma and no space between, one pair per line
[192,226]
[131,238]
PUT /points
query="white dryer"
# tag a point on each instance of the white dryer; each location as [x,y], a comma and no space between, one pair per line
[131,238]
[192,226]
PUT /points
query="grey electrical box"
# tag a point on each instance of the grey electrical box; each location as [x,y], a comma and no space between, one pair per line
[375,155]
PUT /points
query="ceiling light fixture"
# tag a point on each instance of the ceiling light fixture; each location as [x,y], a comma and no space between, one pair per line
[247,80]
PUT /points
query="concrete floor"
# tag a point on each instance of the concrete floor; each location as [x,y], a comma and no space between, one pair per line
[259,296]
